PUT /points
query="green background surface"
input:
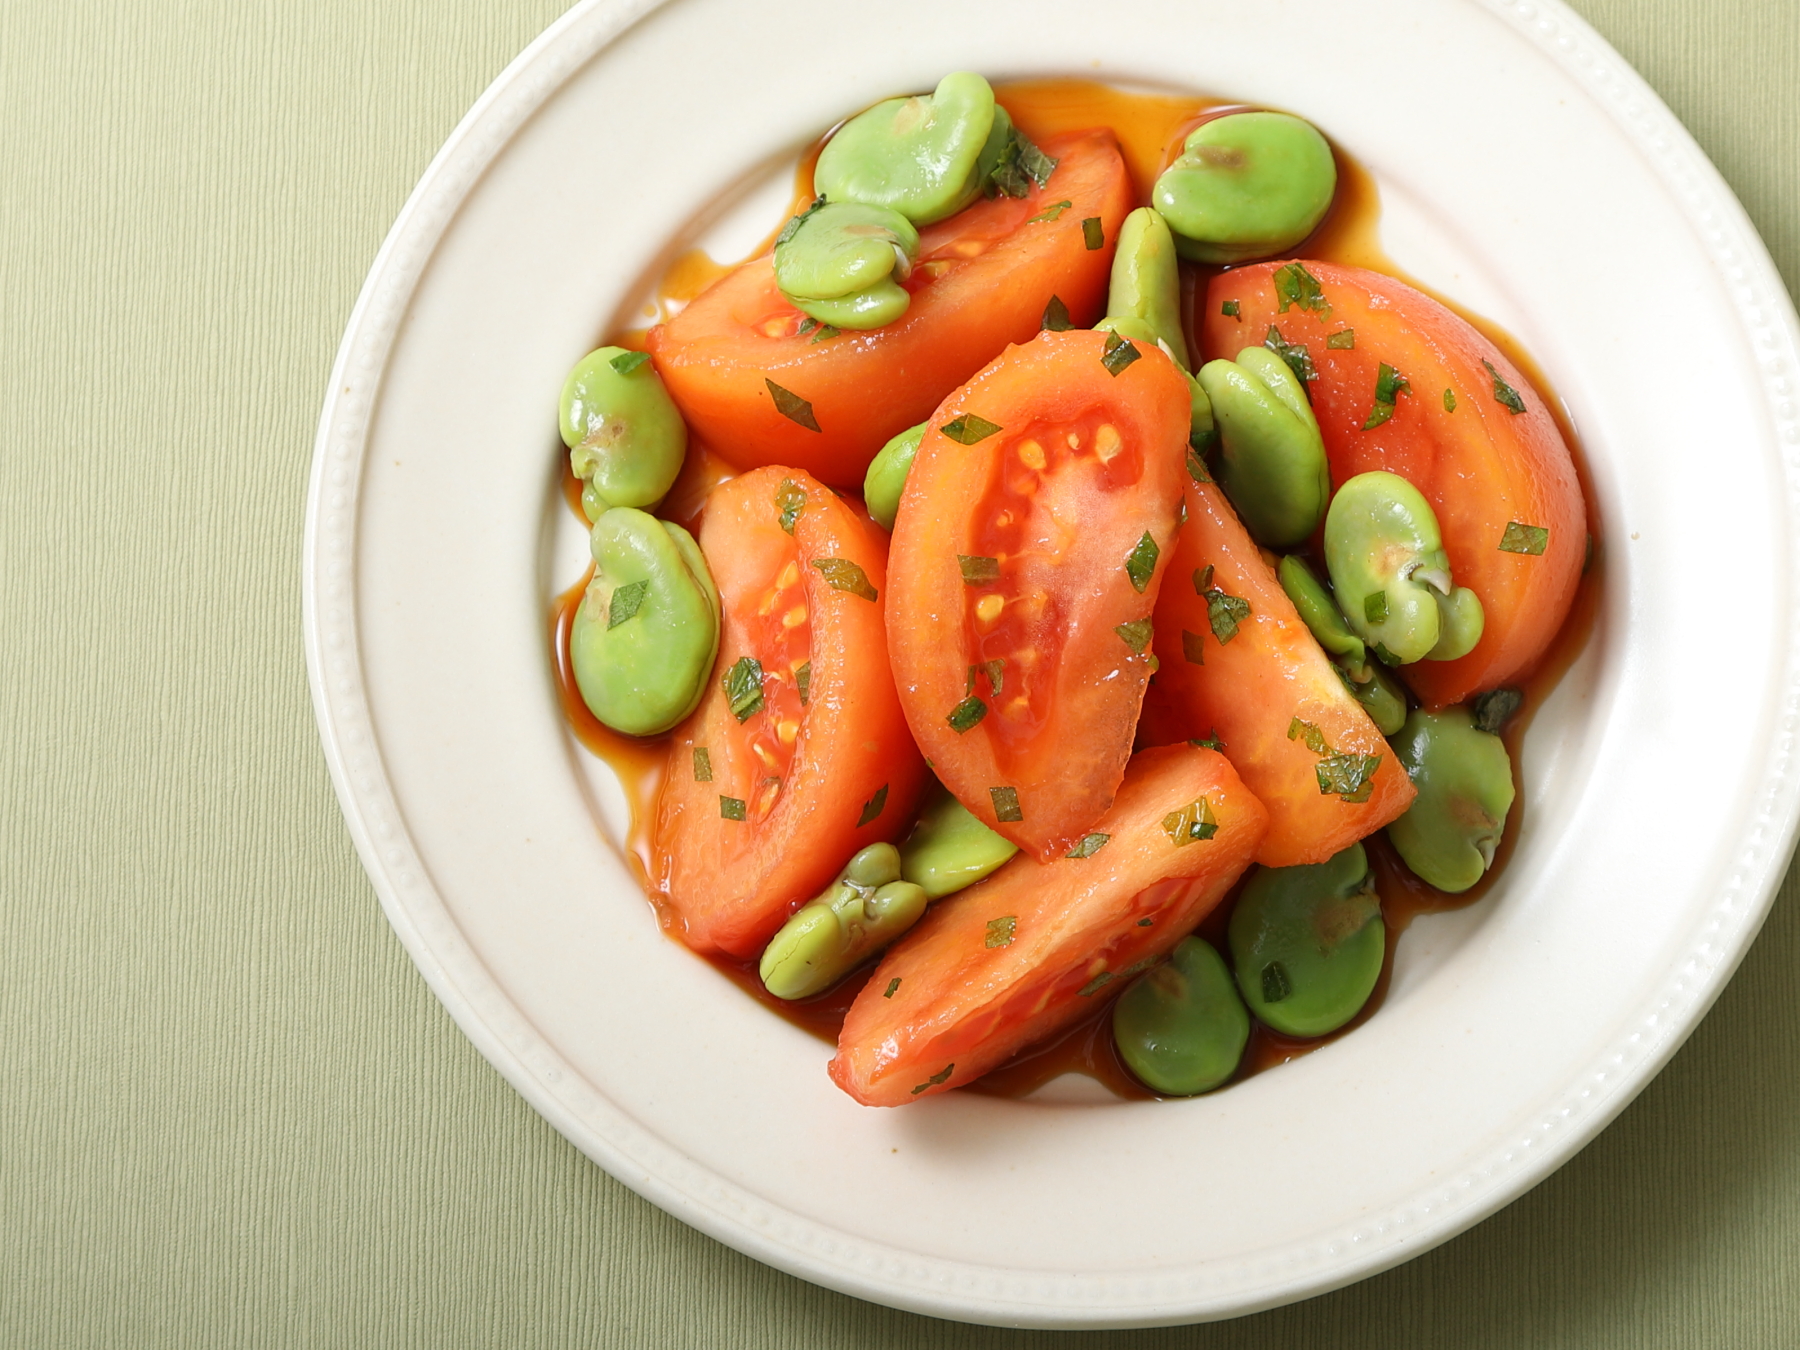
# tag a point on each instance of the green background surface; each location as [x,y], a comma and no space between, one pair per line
[231,1113]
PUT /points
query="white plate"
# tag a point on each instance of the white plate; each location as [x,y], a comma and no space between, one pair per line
[1525,171]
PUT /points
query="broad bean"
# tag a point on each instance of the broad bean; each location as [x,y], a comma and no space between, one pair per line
[1464,776]
[1180,1026]
[1378,692]
[1146,284]
[843,262]
[1271,459]
[626,439]
[1248,185]
[865,909]
[886,478]
[950,848]
[925,156]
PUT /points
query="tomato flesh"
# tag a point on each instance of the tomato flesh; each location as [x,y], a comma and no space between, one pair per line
[758,812]
[983,279]
[1023,953]
[1482,466]
[1017,620]
[1260,690]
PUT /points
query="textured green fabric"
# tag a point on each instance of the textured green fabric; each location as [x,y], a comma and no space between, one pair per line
[231,1114]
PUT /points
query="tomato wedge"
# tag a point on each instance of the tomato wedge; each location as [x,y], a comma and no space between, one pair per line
[1237,665]
[799,755]
[1018,956]
[1468,431]
[1027,555]
[762,384]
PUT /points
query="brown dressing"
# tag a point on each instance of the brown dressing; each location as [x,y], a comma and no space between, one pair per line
[1151,128]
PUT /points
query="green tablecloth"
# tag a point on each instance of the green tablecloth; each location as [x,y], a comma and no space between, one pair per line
[230,1111]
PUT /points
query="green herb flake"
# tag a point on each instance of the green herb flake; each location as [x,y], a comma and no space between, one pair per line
[968,429]
[1494,709]
[1389,385]
[1051,212]
[1006,804]
[806,326]
[1504,394]
[996,673]
[1232,310]
[702,764]
[1275,983]
[1449,400]
[1036,163]
[1350,777]
[1140,566]
[744,687]
[1297,287]
[825,334]
[873,807]
[1089,846]
[966,714]
[977,571]
[1021,164]
[1342,341]
[1193,647]
[1386,657]
[1299,730]
[626,601]
[792,228]
[1056,317]
[1001,931]
[1522,538]
[790,500]
[1098,982]
[1294,353]
[791,406]
[803,682]
[1146,923]
[1119,352]
[1225,612]
[843,575]
[1211,741]
[942,1076]
[1375,607]
[893,985]
[1135,635]
[1196,467]
[1203,579]
[1093,233]
[626,362]
[731,808]
[1191,824]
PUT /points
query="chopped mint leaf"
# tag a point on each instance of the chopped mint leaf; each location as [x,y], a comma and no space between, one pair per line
[1118,353]
[1311,735]
[1001,931]
[1449,400]
[626,362]
[803,682]
[1389,385]
[843,575]
[966,714]
[1056,316]
[792,228]
[996,673]
[1203,579]
[1375,607]
[968,429]
[1089,846]
[1196,467]
[1099,981]
[1093,233]
[1006,803]
[1051,212]
[893,985]
[1522,538]
[1225,612]
[977,571]
[626,601]
[1294,353]
[1275,983]
[790,500]
[942,1076]
[1191,824]
[1135,635]
[1342,341]
[1146,923]
[744,687]
[1297,287]
[873,807]
[1494,709]
[1210,741]
[731,808]
[825,334]
[702,764]
[791,406]
[1504,394]
[1140,566]
[1349,776]
[1232,310]
[1193,647]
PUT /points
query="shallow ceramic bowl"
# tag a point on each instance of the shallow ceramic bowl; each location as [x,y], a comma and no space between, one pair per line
[1524,171]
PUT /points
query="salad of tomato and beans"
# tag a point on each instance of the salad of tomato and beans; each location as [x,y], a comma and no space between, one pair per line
[1082,574]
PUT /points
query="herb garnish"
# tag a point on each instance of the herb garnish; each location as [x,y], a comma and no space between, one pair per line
[1314,738]
[702,764]
[978,570]
[1232,310]
[790,500]
[1135,635]
[1389,385]
[1193,647]
[1342,341]
[1223,612]
[1020,165]
[873,807]
[1449,400]
[1141,564]
[1119,353]
[968,429]
[893,984]
[1375,607]
[1056,316]
[966,714]
[791,406]
[1089,846]
[825,334]
[943,1076]
[1000,932]
[1103,978]
[1275,983]
[1191,824]
[803,682]
[626,601]
[1294,353]
[792,228]
[1494,709]
[744,687]
[1050,212]
[844,575]
[1300,288]
[1006,803]
[1211,741]
[1504,394]
[626,362]
[1093,233]
[1196,467]
[1351,776]
[731,808]
[1522,538]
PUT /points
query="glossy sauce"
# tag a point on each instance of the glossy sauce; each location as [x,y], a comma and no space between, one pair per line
[1150,128]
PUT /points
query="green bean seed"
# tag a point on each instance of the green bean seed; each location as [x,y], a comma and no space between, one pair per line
[1308,943]
[1271,458]
[625,438]
[1378,692]
[1203,428]
[842,263]
[1391,574]
[1464,777]
[950,848]
[924,156]
[1382,697]
[1145,282]
[867,907]
[647,629]
[1249,185]
[886,478]
[1180,1026]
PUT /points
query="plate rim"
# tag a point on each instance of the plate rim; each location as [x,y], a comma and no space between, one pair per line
[803,1247]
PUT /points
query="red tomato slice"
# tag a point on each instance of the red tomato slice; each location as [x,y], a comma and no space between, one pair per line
[1470,433]
[1026,557]
[1018,956]
[759,390]
[1259,683]
[761,806]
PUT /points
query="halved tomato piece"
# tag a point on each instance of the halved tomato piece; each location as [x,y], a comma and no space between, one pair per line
[799,755]
[761,383]
[1022,954]
[1238,667]
[1027,555]
[1403,384]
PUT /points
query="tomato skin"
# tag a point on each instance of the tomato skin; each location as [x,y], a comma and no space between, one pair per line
[983,280]
[1480,466]
[1059,730]
[734,882]
[969,1000]
[1248,691]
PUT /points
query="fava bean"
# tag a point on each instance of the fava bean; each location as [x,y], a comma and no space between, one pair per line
[843,262]
[1180,1026]
[626,440]
[865,909]
[1464,777]
[886,478]
[1387,563]
[647,629]
[1378,692]
[924,156]
[1145,282]
[1271,458]
[950,848]
[1248,185]
[1308,943]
